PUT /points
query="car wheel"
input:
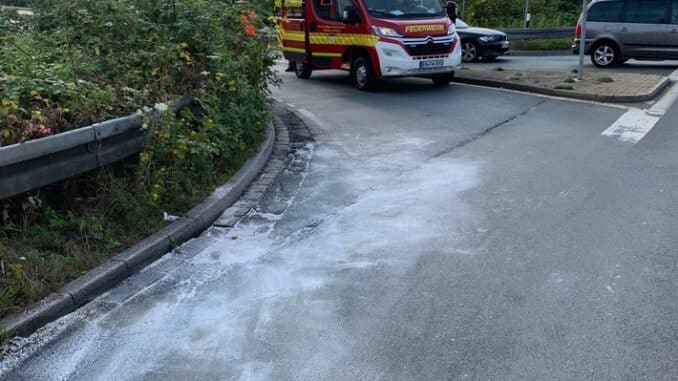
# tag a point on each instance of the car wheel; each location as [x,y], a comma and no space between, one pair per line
[303,70]
[443,79]
[469,51]
[604,55]
[362,75]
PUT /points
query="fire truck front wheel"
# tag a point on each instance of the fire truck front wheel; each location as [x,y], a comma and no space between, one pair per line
[303,70]
[362,74]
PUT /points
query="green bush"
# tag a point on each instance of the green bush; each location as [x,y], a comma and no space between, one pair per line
[549,44]
[511,13]
[16,3]
[77,62]
[82,61]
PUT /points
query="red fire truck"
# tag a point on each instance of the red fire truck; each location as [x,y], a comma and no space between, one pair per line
[371,39]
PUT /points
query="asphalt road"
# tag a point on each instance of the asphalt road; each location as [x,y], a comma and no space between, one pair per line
[425,233]
[569,62]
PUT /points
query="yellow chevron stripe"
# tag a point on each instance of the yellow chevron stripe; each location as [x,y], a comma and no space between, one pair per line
[295,50]
[293,36]
[315,54]
[319,54]
[330,39]
[343,39]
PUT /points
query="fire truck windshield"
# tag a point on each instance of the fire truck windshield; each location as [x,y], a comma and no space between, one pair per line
[399,9]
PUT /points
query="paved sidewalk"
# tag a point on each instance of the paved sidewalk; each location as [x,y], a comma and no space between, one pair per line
[603,87]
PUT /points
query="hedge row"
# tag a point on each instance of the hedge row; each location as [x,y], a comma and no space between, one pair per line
[81,61]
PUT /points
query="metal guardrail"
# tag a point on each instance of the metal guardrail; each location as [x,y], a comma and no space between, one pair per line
[33,164]
[539,34]
[21,11]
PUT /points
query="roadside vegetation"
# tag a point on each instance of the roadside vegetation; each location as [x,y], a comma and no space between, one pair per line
[80,61]
[546,44]
[511,13]
[15,3]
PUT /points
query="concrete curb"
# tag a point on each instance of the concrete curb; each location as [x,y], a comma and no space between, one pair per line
[540,53]
[565,93]
[102,278]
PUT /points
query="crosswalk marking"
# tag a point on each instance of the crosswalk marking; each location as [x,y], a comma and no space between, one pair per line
[632,126]
[636,123]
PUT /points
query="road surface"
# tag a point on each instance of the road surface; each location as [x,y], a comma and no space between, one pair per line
[424,233]
[569,62]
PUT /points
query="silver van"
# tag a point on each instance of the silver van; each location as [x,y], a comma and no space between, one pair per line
[621,29]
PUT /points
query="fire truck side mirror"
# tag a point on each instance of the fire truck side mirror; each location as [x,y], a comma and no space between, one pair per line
[350,15]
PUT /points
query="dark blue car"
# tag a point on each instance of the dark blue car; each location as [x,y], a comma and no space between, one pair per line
[477,43]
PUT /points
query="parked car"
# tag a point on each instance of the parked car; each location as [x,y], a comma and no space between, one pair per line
[479,43]
[621,29]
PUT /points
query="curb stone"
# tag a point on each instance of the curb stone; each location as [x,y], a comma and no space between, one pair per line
[102,278]
[258,187]
[539,53]
[566,93]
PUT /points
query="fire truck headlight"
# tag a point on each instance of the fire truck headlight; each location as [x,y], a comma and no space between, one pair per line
[451,30]
[385,31]
[390,52]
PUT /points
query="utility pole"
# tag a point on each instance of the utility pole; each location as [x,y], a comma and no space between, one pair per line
[463,9]
[527,10]
[582,40]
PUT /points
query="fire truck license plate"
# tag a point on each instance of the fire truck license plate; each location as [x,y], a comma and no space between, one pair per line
[431,63]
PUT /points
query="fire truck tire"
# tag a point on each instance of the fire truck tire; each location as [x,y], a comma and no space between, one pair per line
[303,70]
[443,79]
[362,74]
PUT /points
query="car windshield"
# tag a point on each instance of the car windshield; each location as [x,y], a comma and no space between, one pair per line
[398,9]
[460,24]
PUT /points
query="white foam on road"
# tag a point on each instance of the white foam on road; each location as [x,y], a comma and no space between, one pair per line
[636,123]
[255,300]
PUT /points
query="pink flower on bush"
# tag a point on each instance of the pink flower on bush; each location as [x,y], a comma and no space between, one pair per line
[45,131]
[40,131]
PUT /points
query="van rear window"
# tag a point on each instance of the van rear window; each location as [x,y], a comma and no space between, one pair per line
[607,11]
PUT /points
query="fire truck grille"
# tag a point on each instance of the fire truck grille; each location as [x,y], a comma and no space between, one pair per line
[428,49]
[419,58]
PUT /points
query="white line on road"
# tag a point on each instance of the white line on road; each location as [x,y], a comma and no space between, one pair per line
[636,123]
[632,126]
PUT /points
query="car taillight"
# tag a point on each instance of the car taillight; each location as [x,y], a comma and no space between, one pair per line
[577,31]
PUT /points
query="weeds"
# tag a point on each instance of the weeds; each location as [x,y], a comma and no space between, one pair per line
[81,61]
[547,44]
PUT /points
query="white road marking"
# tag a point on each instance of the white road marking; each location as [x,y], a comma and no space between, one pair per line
[632,126]
[636,123]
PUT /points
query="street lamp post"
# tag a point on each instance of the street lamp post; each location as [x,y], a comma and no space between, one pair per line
[582,40]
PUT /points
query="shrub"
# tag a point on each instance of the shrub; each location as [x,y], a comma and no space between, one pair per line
[78,62]
[548,44]
[81,61]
